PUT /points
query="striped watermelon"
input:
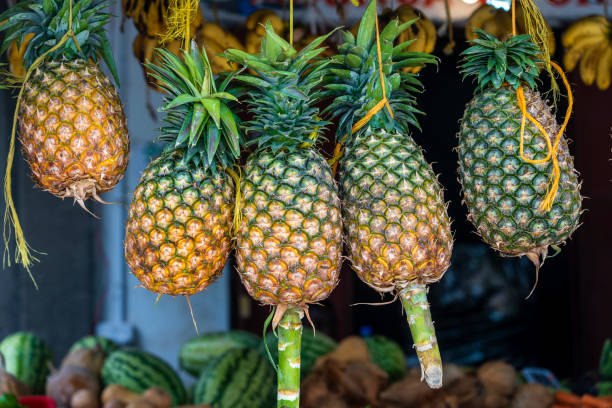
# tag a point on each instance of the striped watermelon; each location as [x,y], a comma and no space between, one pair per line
[388,355]
[240,378]
[198,352]
[138,370]
[27,357]
[313,347]
[107,346]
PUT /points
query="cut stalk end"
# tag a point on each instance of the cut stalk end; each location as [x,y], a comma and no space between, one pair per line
[414,299]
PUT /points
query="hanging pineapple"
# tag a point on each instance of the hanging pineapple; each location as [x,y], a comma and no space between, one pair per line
[289,237]
[71,123]
[178,230]
[397,228]
[515,201]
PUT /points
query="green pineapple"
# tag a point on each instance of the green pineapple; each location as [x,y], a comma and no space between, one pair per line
[503,192]
[397,228]
[289,238]
[178,230]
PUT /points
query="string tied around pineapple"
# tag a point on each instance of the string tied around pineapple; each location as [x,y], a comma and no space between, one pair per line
[179,16]
[384,102]
[552,146]
[23,251]
[236,176]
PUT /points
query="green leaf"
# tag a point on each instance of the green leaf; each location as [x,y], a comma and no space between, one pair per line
[213,107]
[180,100]
[232,136]
[212,141]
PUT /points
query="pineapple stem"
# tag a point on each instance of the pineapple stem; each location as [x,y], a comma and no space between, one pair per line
[414,299]
[289,343]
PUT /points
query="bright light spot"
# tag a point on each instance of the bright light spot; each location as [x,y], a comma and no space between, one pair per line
[500,4]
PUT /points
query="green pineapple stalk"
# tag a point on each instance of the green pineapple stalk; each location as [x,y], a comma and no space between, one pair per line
[289,238]
[505,193]
[396,225]
[179,223]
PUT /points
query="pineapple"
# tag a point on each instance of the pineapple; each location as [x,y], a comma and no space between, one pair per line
[397,228]
[503,192]
[289,237]
[179,223]
[71,123]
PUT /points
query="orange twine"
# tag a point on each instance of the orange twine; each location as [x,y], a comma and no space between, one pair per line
[553,185]
[375,109]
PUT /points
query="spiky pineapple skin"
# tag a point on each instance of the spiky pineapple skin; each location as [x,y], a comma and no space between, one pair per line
[501,190]
[178,230]
[289,239]
[397,227]
[72,128]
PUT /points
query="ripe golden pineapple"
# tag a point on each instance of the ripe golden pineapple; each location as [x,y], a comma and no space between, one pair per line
[70,120]
[397,228]
[72,130]
[178,230]
[504,193]
[289,239]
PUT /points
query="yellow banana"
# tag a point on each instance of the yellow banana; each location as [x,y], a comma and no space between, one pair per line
[588,63]
[253,18]
[578,50]
[430,34]
[421,37]
[252,42]
[477,19]
[226,39]
[604,68]
[591,25]
[272,18]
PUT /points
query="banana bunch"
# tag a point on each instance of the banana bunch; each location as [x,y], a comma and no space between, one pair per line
[216,40]
[255,28]
[498,22]
[150,19]
[589,42]
[15,56]
[423,31]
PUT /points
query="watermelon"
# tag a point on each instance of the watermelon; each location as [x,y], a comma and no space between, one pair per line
[139,370]
[388,355]
[313,347]
[198,352]
[240,378]
[27,357]
[106,345]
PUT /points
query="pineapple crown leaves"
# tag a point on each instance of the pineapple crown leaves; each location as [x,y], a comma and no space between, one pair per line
[495,63]
[352,78]
[283,92]
[198,119]
[48,21]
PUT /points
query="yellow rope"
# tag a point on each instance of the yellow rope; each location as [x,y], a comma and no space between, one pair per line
[23,255]
[553,185]
[291,22]
[179,16]
[370,114]
[238,201]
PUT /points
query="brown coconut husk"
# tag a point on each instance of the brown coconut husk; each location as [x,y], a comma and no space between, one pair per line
[498,377]
[9,384]
[532,396]
[352,348]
